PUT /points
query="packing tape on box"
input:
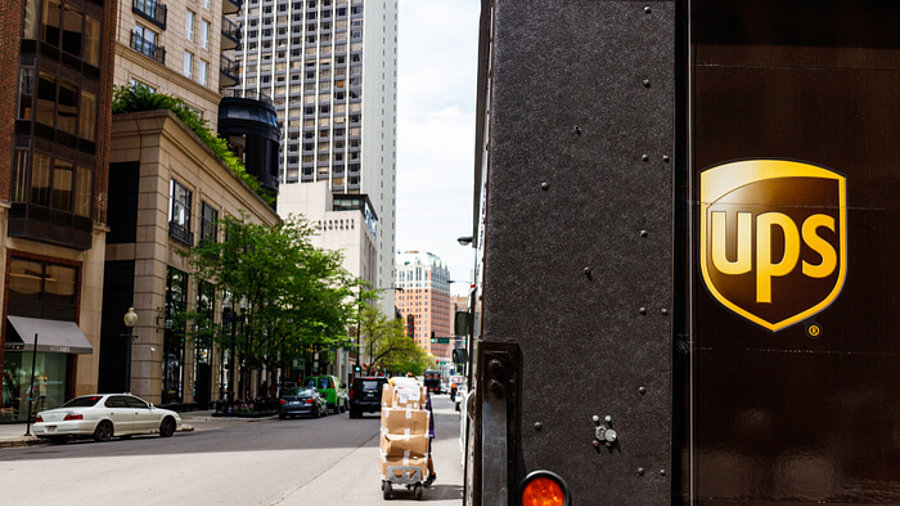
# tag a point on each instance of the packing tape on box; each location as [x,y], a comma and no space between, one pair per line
[406,434]
[408,413]
[406,458]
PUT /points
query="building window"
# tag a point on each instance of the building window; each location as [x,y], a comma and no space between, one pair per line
[188,63]
[42,289]
[204,34]
[189,24]
[173,346]
[143,40]
[208,222]
[201,72]
[180,213]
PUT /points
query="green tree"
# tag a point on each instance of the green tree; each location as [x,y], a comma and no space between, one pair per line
[293,298]
[386,344]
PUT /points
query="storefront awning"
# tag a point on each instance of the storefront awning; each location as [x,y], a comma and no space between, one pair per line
[53,336]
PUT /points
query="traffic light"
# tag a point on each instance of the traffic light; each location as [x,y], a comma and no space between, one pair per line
[432,337]
[357,368]
[411,325]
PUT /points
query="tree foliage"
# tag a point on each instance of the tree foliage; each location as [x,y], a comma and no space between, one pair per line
[386,345]
[138,97]
[292,298]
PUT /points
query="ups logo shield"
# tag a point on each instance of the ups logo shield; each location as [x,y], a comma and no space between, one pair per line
[773,239]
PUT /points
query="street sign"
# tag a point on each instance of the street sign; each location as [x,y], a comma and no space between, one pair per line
[443,340]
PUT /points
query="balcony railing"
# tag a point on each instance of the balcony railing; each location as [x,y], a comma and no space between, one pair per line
[181,233]
[148,48]
[231,32]
[230,70]
[150,10]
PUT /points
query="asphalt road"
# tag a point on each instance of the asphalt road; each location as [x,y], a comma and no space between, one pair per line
[327,461]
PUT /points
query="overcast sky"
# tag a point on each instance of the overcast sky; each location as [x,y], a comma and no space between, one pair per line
[438,52]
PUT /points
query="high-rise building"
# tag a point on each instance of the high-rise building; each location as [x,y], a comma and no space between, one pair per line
[423,283]
[176,47]
[331,68]
[55,96]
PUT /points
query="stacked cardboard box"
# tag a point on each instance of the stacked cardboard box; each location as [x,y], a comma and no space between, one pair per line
[404,429]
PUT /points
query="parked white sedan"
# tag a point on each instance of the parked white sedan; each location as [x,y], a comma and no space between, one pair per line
[103,416]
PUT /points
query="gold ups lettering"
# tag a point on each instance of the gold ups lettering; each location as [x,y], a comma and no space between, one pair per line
[773,239]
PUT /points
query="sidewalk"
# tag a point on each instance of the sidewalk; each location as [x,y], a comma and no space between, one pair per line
[13,434]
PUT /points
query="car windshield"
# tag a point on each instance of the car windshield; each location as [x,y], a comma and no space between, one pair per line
[370,384]
[301,391]
[83,402]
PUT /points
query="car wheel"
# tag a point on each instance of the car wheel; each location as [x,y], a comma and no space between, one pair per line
[386,488]
[417,491]
[282,416]
[354,413]
[126,436]
[456,406]
[167,427]
[104,431]
[58,440]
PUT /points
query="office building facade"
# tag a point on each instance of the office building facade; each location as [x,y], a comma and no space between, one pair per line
[423,283]
[54,141]
[330,67]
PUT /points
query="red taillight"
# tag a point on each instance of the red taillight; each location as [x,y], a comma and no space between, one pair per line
[543,488]
[452,385]
[282,401]
[72,416]
[310,401]
[38,419]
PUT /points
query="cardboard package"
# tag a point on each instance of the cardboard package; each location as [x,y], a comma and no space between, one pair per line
[409,465]
[403,396]
[403,444]
[401,420]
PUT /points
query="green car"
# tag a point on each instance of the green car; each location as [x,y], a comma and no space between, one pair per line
[331,389]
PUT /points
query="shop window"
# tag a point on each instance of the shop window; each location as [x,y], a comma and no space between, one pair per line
[173,341]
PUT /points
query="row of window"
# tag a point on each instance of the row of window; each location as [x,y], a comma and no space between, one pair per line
[53,182]
[57,103]
[64,25]
[180,215]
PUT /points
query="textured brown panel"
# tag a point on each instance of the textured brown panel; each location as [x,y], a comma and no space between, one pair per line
[781,417]
[579,234]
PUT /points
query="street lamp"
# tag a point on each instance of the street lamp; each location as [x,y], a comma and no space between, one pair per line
[465,240]
[130,319]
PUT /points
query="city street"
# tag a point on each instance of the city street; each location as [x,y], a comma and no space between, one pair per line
[326,461]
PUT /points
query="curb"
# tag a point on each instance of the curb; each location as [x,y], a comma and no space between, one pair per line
[22,442]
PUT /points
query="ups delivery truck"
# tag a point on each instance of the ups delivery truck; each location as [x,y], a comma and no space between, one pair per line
[686,230]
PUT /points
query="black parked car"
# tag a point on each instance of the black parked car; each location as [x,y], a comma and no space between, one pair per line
[301,401]
[365,395]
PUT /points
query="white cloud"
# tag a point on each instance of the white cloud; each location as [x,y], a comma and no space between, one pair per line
[438,42]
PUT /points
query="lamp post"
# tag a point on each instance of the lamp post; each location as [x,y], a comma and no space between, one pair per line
[130,320]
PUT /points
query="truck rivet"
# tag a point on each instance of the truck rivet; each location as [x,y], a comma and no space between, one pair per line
[666,158]
[642,310]
[642,390]
[545,186]
[641,471]
[596,443]
[662,472]
[577,130]
[608,418]
[538,425]
[595,418]
[664,311]
[644,233]
[645,157]
[647,10]
[646,83]
[587,271]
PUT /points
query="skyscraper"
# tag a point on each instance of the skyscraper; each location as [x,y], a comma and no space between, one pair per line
[331,68]
[423,283]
